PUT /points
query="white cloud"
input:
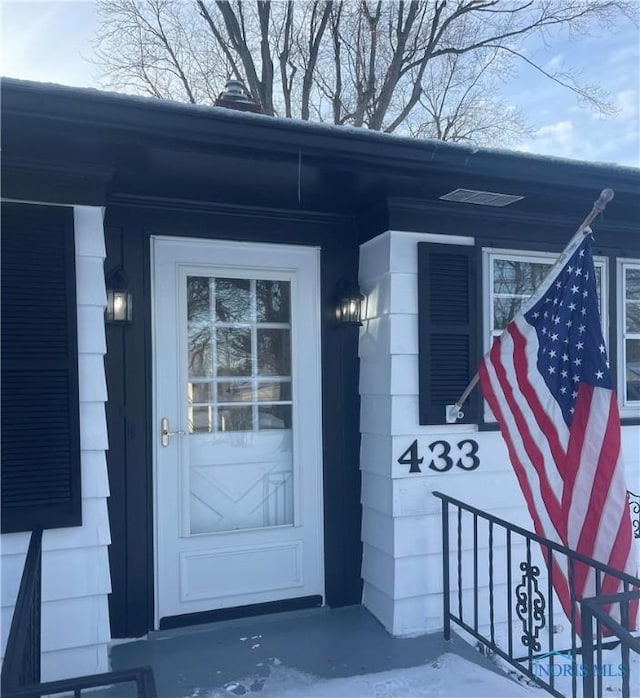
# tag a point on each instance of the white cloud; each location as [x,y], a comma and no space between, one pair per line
[556,139]
[556,63]
[626,102]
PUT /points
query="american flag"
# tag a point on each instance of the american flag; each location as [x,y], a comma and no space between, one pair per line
[548,383]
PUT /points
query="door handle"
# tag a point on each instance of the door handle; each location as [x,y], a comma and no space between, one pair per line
[165,433]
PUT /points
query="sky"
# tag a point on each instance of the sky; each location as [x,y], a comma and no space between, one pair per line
[51,41]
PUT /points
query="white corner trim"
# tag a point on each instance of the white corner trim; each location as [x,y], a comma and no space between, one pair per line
[423,237]
[436,237]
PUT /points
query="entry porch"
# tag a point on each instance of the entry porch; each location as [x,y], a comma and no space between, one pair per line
[288,652]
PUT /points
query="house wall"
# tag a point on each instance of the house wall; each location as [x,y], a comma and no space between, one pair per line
[401,527]
[75,565]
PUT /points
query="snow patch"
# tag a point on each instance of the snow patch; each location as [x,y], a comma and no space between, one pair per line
[449,676]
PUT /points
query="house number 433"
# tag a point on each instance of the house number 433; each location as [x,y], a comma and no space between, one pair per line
[465,456]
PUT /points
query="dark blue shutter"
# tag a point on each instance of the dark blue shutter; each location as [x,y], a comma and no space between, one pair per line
[447,317]
[39,370]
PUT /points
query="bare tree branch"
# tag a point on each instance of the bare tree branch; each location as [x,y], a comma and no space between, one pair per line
[427,67]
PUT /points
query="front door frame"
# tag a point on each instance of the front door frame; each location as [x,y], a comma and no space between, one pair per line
[129,224]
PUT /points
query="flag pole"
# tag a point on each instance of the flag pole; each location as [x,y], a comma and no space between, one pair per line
[454,412]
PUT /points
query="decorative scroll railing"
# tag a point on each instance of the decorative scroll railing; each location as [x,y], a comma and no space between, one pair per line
[498,587]
[20,677]
[634,506]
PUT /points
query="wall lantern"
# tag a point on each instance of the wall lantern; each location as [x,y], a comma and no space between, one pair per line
[349,307]
[118,297]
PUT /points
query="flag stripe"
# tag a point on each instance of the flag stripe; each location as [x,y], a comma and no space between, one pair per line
[552,428]
[532,454]
[543,525]
[527,477]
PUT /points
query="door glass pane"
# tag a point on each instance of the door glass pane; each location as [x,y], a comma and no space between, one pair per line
[201,419]
[272,300]
[233,300]
[235,418]
[199,393]
[198,299]
[198,329]
[235,391]
[274,417]
[274,353]
[239,403]
[233,352]
[274,392]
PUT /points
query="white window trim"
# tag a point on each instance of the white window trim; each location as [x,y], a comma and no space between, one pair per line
[628,408]
[491,253]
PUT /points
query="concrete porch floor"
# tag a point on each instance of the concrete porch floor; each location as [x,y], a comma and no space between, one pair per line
[240,655]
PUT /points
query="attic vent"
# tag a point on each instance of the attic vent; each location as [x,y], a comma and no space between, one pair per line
[483,198]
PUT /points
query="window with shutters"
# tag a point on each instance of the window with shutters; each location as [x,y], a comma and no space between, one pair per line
[448,328]
[39,367]
[451,338]
[510,278]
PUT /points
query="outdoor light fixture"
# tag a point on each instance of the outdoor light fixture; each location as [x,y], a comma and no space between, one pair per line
[118,297]
[349,308]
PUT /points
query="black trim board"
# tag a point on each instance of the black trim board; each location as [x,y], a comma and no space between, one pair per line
[63,181]
[257,609]
[197,126]
[503,227]
[128,367]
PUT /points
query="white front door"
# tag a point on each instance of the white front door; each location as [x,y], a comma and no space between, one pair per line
[238,478]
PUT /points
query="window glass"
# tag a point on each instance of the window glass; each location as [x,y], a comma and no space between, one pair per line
[239,354]
[514,277]
[511,278]
[630,302]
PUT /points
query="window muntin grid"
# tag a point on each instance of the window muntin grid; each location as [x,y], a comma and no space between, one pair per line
[239,354]
[630,330]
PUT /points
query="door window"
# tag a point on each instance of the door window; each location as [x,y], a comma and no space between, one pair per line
[239,403]
[239,354]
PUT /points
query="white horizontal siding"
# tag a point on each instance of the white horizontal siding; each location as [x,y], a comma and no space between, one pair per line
[70,573]
[92,532]
[401,524]
[61,664]
[75,566]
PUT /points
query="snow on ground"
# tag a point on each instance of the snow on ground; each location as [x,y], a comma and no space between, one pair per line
[449,676]
[611,670]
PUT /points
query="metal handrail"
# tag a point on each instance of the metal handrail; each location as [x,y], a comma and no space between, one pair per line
[578,557]
[529,598]
[20,677]
[21,663]
[143,677]
[592,608]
